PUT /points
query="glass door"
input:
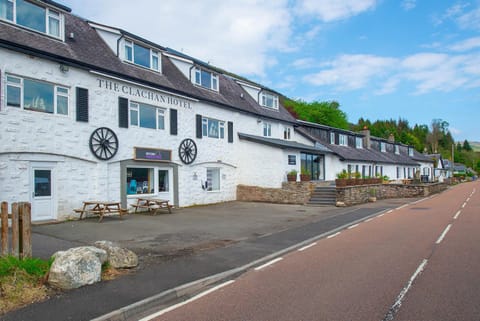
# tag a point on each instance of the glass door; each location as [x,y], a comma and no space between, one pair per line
[314,164]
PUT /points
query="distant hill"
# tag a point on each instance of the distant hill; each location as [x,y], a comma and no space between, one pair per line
[475,146]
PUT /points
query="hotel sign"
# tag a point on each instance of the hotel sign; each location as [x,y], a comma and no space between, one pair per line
[153,96]
[152,154]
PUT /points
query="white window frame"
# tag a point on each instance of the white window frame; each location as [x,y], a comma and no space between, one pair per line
[265,96]
[205,127]
[209,181]
[197,75]
[267,129]
[332,138]
[49,14]
[342,140]
[20,85]
[397,149]
[159,114]
[359,142]
[383,147]
[154,55]
[410,151]
[287,133]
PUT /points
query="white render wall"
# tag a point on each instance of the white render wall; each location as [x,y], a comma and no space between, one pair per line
[40,137]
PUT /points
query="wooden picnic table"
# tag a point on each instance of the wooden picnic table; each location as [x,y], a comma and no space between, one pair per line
[100,208]
[152,204]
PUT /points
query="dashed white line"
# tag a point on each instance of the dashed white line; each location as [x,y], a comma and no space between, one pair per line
[353,226]
[370,219]
[464,204]
[398,302]
[404,205]
[440,239]
[333,235]
[381,215]
[457,214]
[391,211]
[468,199]
[198,296]
[307,247]
[268,263]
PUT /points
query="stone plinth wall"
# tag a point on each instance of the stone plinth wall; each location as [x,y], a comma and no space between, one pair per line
[290,193]
[351,195]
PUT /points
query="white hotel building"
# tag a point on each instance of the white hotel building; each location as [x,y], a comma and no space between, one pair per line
[89,111]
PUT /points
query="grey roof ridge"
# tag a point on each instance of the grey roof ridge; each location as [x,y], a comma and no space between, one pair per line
[309,123]
[276,142]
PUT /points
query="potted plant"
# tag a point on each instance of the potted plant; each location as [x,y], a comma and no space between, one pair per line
[358,178]
[372,195]
[304,175]
[292,176]
[341,180]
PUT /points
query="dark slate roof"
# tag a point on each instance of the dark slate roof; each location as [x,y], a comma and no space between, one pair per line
[363,154]
[87,50]
[284,144]
[422,157]
[57,5]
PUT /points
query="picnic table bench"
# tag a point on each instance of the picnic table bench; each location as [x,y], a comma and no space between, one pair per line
[100,208]
[152,205]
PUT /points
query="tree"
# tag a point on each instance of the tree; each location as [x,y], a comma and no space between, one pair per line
[466,146]
[325,113]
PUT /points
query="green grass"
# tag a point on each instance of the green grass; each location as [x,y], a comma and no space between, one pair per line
[32,266]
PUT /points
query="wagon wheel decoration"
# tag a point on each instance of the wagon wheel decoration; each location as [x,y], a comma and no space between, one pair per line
[103,143]
[187,151]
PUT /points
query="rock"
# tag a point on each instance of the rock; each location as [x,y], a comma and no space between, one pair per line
[340,204]
[118,257]
[77,267]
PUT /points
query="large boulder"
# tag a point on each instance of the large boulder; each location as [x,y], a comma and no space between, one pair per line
[118,257]
[77,267]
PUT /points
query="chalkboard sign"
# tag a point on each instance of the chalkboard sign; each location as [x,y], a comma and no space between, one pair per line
[152,154]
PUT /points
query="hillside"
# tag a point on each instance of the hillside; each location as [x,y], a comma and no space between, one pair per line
[475,146]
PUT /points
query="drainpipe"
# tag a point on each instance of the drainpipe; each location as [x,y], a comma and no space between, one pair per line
[118,44]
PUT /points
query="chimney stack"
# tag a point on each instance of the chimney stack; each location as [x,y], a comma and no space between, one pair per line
[366,139]
[391,138]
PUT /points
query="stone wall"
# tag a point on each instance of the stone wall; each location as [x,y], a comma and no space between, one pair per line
[351,195]
[290,193]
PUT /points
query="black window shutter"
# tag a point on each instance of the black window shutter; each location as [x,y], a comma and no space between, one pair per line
[199,126]
[82,104]
[230,132]
[337,139]
[173,122]
[122,112]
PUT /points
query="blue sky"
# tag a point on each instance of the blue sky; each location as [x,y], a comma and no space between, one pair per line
[380,59]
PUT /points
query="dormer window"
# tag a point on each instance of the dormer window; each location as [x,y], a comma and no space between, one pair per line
[397,149]
[342,140]
[332,138]
[32,16]
[358,142]
[142,56]
[268,100]
[383,147]
[410,151]
[206,79]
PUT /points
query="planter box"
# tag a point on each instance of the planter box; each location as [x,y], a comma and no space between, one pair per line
[341,182]
[292,178]
[304,178]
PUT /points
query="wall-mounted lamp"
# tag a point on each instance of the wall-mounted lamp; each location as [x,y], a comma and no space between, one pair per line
[259,121]
[195,176]
[63,68]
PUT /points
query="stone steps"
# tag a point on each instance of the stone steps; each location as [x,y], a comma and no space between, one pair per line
[323,196]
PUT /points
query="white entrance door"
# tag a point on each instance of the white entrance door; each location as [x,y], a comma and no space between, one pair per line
[165,184]
[42,193]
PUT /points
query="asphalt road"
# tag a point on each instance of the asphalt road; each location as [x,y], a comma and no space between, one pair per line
[418,262]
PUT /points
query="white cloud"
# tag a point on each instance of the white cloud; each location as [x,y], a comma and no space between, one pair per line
[303,63]
[235,35]
[470,20]
[351,72]
[425,72]
[466,45]
[409,4]
[331,10]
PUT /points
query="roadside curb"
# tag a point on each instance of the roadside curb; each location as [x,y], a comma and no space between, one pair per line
[185,291]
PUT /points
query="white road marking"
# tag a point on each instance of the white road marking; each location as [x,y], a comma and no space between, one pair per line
[268,263]
[391,211]
[370,219]
[198,296]
[398,303]
[404,205]
[353,226]
[306,247]
[457,215]
[440,239]
[464,204]
[333,235]
[381,215]
[468,199]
